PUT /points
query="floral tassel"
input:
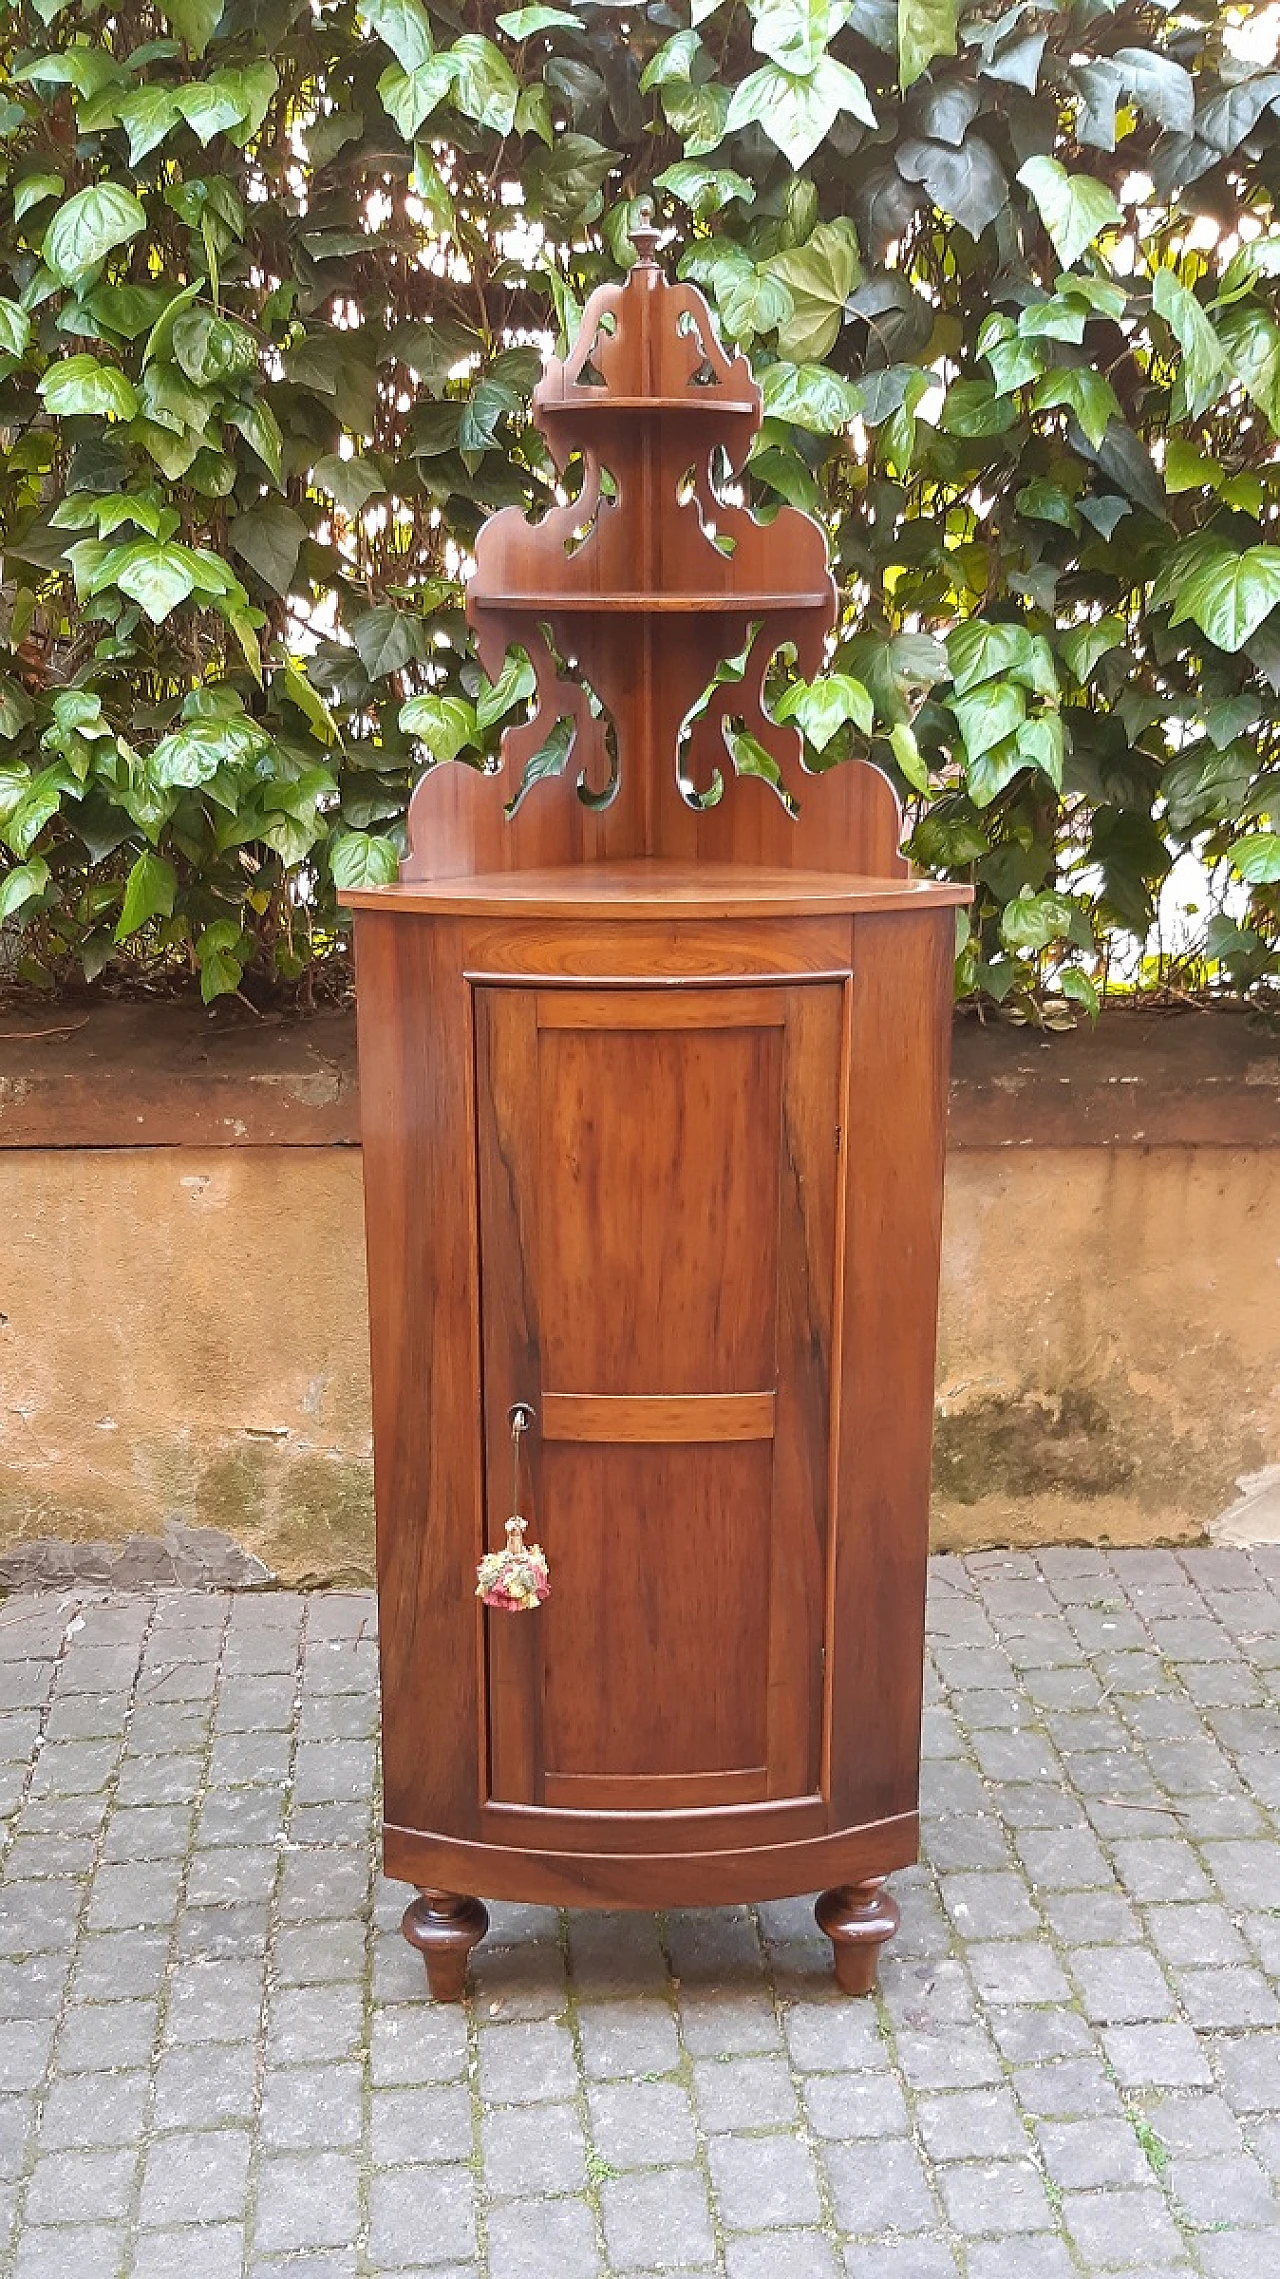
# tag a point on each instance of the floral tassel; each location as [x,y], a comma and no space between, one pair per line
[514,1579]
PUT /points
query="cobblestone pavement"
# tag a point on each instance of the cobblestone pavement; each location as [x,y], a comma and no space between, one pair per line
[216,2055]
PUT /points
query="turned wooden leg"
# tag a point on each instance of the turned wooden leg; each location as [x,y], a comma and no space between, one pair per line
[444,1928]
[857,1918]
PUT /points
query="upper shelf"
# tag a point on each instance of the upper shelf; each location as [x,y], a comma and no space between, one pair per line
[605,399]
[653,604]
[652,887]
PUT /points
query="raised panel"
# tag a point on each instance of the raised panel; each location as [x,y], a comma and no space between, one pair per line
[659,1179]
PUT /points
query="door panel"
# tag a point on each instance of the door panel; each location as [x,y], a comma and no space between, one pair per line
[659,1184]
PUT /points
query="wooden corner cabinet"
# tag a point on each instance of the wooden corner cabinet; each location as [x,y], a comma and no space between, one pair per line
[653,1084]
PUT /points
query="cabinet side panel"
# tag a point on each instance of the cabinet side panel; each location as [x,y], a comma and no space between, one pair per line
[896,1135]
[416,1094]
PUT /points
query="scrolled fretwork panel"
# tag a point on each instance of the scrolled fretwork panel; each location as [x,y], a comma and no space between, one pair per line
[641,588]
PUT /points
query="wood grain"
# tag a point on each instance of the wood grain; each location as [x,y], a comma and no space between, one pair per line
[622,1417]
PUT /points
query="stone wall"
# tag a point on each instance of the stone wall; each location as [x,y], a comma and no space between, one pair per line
[183,1376]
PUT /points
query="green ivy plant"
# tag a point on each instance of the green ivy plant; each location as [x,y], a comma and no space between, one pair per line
[274,280]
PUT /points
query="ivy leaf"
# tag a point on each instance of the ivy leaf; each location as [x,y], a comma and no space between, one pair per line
[360,858]
[1230,595]
[194,21]
[88,228]
[1257,858]
[80,385]
[926,29]
[1077,985]
[159,577]
[991,772]
[796,33]
[33,189]
[822,707]
[261,430]
[39,803]
[350,483]
[705,190]
[445,724]
[402,25]
[269,538]
[1033,921]
[1041,745]
[211,348]
[388,639]
[798,113]
[1073,207]
[150,892]
[1204,358]
[514,687]
[15,328]
[485,86]
[26,882]
[810,396]
[1087,393]
[147,116]
[819,277]
[910,758]
[1251,338]
[968,183]
[993,711]
[523,23]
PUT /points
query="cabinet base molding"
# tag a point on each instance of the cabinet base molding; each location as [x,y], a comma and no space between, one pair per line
[444,1927]
[858,1918]
[855,1857]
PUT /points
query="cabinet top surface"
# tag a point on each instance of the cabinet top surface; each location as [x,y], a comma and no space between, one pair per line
[652,888]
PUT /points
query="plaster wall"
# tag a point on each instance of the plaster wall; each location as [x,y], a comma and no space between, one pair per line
[184,1339]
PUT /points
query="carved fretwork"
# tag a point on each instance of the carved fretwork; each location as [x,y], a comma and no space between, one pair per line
[639,589]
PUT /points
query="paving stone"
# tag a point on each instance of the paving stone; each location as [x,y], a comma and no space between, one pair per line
[1195,1934]
[657,2222]
[1238,2255]
[846,2107]
[1011,2259]
[995,2196]
[1037,2037]
[97,2037]
[196,2178]
[307,2200]
[308,2023]
[80,2187]
[972,2124]
[901,2259]
[1122,1985]
[989,1906]
[1110,2229]
[1019,1970]
[419,2043]
[1091,1918]
[762,2182]
[543,2239]
[1080,2154]
[214,2001]
[618,2039]
[878,2187]
[1226,1996]
[1066,2089]
[1228,2189]
[956,2057]
[134,1895]
[530,2150]
[1250,2073]
[835,2037]
[744,2093]
[110,2114]
[725,2022]
[213,2251]
[801,2255]
[642,2124]
[527,2063]
[409,2206]
[1156,2057]
[310,2105]
[199,2085]
[1160,1868]
[70,2251]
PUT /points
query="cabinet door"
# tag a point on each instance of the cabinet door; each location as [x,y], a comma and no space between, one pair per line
[660,1180]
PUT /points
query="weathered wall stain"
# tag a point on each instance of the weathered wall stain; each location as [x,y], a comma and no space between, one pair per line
[184,1343]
